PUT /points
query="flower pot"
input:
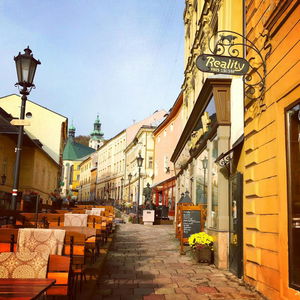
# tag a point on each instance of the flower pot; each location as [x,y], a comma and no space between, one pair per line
[203,255]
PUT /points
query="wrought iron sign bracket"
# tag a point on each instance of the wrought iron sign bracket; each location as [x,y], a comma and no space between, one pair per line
[227,57]
[224,161]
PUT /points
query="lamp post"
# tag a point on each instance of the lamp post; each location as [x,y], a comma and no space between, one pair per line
[204,165]
[139,160]
[122,184]
[129,180]
[26,66]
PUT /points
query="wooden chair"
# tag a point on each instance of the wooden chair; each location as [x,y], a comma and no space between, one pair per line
[75,248]
[99,222]
[59,268]
[8,239]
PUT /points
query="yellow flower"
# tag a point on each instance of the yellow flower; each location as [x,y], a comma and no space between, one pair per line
[200,239]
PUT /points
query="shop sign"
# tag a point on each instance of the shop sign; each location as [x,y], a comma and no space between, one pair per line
[222,64]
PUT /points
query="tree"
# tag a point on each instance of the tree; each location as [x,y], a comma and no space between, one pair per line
[82,139]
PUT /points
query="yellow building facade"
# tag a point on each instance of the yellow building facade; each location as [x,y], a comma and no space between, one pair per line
[43,120]
[39,173]
[84,184]
[272,155]
[209,149]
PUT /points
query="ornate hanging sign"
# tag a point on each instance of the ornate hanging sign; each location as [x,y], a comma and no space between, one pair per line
[222,64]
[227,48]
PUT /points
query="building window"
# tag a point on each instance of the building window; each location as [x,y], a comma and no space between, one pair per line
[214,184]
[293,168]
[201,179]
[150,162]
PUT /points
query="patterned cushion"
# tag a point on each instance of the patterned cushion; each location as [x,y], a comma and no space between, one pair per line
[44,241]
[75,220]
[23,265]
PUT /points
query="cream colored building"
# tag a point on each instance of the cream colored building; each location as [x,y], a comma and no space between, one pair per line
[142,144]
[49,127]
[213,118]
[111,164]
[111,172]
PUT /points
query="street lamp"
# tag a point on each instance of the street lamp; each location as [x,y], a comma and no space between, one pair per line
[204,165]
[139,161]
[122,184]
[129,180]
[26,66]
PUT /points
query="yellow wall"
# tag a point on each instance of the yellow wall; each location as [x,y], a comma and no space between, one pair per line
[38,172]
[265,190]
[7,161]
[199,18]
[76,177]
[46,125]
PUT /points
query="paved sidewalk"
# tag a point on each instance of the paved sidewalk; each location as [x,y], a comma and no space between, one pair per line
[144,264]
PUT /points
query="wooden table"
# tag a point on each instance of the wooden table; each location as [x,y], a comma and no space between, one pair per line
[24,288]
[87,231]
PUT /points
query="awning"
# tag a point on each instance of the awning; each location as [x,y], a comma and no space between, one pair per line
[160,184]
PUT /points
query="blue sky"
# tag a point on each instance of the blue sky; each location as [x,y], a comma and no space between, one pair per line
[122,59]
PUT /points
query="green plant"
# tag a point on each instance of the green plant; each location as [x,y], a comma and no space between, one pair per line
[201,240]
[130,219]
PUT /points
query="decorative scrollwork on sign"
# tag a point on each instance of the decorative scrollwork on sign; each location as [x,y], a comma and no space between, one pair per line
[224,161]
[230,43]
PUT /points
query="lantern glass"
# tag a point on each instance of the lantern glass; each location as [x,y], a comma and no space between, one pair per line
[129,176]
[139,160]
[26,66]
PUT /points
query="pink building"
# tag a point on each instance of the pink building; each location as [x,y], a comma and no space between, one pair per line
[166,136]
[152,120]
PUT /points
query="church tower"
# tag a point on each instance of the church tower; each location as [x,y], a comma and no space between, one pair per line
[96,140]
[72,130]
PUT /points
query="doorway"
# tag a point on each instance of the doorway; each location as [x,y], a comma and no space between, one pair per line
[293,167]
[236,225]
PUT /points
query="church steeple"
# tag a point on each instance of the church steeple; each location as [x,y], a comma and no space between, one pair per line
[72,130]
[96,139]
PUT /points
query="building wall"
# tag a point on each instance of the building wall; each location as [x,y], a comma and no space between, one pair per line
[209,187]
[265,188]
[76,178]
[154,120]
[85,179]
[111,167]
[45,170]
[7,161]
[202,18]
[42,122]
[144,146]
[165,142]
[71,177]
[38,172]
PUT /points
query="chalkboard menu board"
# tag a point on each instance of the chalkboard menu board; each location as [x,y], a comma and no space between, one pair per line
[191,220]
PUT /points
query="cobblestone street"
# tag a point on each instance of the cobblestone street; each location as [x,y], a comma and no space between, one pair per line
[144,264]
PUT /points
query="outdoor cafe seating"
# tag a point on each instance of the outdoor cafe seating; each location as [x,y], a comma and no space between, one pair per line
[64,250]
